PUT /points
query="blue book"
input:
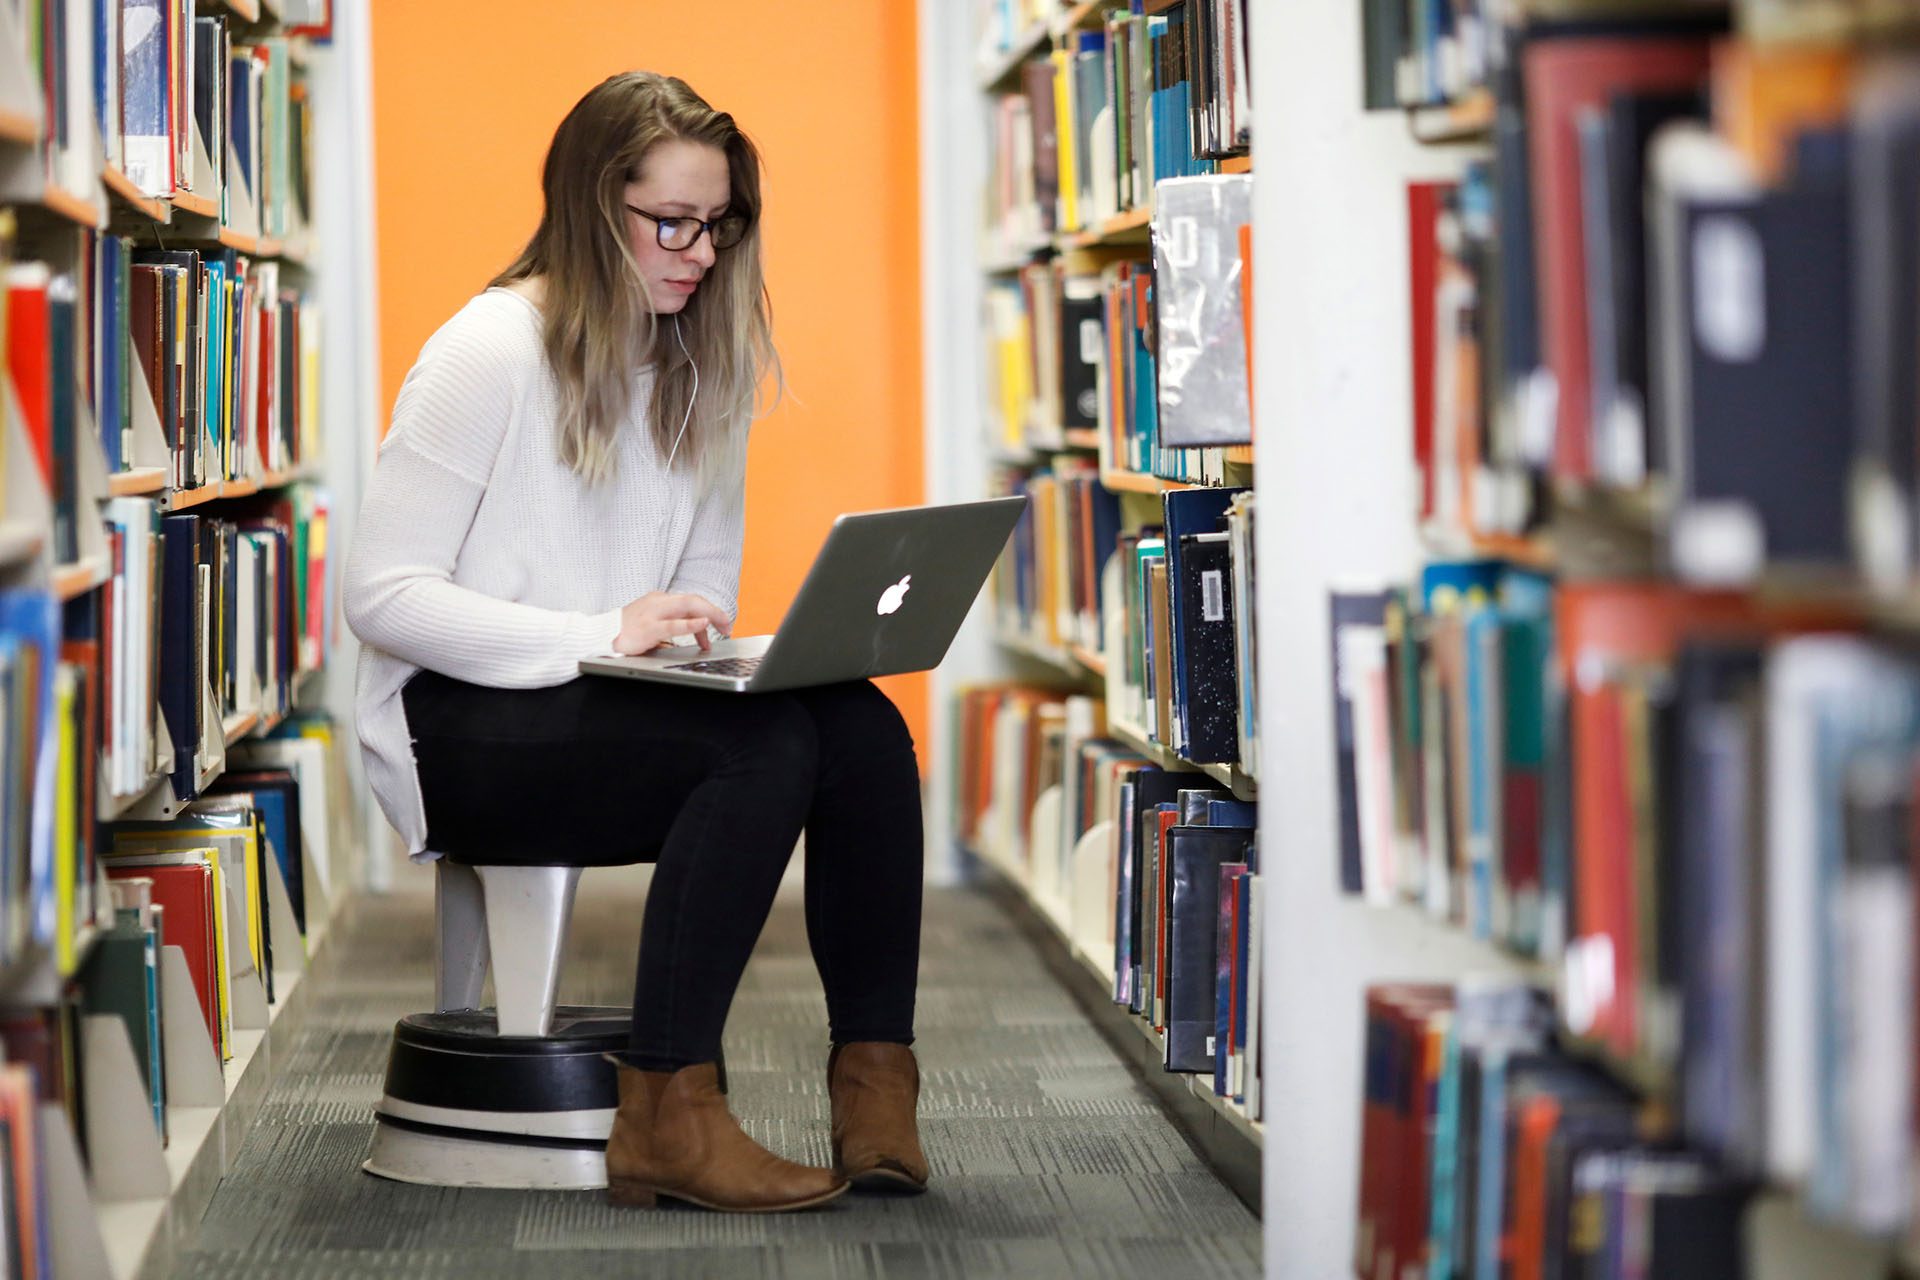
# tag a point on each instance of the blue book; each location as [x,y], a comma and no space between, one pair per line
[109,371]
[31,617]
[1443,1183]
[1188,512]
[154,1057]
[61,299]
[1146,399]
[1484,774]
[275,795]
[103,16]
[16,790]
[241,74]
[1489,1196]
[213,397]
[1447,580]
[1157,97]
[1232,813]
[1151,551]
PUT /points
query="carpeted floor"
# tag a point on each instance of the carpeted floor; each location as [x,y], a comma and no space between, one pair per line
[1049,1158]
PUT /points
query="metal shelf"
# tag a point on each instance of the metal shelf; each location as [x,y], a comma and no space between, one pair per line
[20,541]
[998,71]
[1229,776]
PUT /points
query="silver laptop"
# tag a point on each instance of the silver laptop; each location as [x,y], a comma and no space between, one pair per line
[885,595]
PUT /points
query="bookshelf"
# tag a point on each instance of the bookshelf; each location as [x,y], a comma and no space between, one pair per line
[20,542]
[137,480]
[123,190]
[1040,431]
[198,206]
[999,65]
[106,432]
[18,127]
[1334,314]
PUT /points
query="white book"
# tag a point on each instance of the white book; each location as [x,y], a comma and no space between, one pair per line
[1802,675]
[246,634]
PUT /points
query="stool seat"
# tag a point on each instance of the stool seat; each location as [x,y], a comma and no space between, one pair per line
[538,1078]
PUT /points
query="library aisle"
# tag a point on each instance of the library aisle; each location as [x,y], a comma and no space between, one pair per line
[1049,1156]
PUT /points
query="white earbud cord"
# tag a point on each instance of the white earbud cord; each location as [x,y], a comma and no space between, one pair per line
[694,395]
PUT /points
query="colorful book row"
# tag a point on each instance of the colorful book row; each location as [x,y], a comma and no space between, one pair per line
[1099,121]
[1152,873]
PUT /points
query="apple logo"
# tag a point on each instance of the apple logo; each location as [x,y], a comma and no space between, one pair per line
[891,598]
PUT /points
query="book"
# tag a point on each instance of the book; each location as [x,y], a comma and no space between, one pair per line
[1778,353]
[1563,77]
[189,886]
[1355,621]
[1195,856]
[1202,380]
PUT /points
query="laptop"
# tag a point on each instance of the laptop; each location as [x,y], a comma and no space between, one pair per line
[886,594]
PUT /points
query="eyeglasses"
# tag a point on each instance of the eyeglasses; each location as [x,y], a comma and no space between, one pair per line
[680,234]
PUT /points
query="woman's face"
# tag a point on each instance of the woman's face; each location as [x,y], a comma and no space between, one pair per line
[678,180]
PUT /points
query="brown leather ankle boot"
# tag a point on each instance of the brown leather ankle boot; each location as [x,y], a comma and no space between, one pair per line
[874,1088]
[673,1136]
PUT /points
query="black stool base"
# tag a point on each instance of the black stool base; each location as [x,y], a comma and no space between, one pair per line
[469,1108]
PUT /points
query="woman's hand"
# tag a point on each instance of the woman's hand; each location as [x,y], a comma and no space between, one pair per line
[658,618]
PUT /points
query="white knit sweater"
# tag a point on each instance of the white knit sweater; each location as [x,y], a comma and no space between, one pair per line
[480,556]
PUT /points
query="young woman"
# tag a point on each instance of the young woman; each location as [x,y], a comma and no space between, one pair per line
[565,478]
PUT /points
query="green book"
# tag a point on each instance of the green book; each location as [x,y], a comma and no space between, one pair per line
[119,978]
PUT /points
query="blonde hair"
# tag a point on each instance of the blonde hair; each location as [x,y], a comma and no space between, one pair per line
[598,322]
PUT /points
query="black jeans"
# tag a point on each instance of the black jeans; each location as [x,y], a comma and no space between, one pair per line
[716,787]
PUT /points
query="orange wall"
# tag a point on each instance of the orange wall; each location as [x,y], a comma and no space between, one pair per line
[466,97]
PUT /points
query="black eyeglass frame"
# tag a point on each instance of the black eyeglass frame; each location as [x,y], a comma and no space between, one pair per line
[709,229]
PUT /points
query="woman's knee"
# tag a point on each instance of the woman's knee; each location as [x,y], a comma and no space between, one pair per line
[858,717]
[781,738]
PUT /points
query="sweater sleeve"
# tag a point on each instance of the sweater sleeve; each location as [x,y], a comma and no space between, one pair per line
[449,422]
[710,565]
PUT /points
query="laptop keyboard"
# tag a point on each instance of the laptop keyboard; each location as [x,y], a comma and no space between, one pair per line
[720,666]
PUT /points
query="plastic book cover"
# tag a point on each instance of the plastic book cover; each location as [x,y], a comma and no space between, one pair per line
[1202,345]
[145,86]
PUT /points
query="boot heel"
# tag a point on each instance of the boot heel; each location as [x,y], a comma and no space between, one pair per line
[627,1194]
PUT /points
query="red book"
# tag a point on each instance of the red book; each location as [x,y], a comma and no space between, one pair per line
[265,429]
[1246,300]
[1423,257]
[20,1110]
[1373,1126]
[1423,1042]
[1539,1117]
[30,357]
[1606,627]
[1393,1068]
[1565,77]
[185,892]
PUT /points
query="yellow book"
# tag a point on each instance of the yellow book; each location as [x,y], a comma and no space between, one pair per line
[1064,131]
[310,384]
[66,824]
[236,823]
[222,955]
